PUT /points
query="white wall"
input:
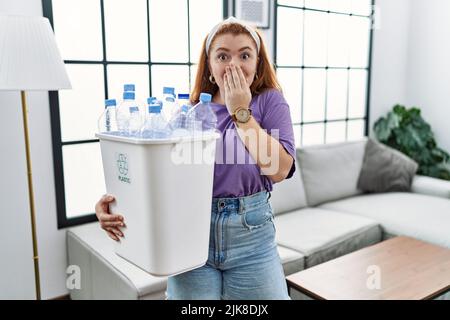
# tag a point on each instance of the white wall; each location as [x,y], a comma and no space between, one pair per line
[389,58]
[16,269]
[411,64]
[428,76]
[268,33]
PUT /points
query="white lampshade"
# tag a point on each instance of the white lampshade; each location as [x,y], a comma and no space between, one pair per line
[29,57]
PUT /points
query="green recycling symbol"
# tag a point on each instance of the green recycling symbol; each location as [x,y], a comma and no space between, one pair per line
[122,164]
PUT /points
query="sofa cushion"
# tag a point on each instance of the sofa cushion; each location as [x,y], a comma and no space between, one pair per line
[288,194]
[431,186]
[385,169]
[331,171]
[104,274]
[321,235]
[402,213]
[293,261]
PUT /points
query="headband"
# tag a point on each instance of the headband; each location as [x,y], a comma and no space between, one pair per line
[230,20]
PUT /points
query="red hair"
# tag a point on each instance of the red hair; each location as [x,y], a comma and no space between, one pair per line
[266,79]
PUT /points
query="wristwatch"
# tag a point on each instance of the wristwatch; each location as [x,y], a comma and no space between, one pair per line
[242,115]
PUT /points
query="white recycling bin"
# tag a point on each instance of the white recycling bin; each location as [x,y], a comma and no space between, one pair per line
[163,188]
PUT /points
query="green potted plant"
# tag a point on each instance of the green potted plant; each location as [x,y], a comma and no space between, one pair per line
[405,130]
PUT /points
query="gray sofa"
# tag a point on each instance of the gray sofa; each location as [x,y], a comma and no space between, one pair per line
[319,215]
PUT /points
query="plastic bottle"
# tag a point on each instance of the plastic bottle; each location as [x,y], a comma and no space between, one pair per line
[135,122]
[201,116]
[179,123]
[183,99]
[170,106]
[107,122]
[155,125]
[123,112]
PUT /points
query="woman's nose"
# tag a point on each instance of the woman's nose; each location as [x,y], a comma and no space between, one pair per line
[235,62]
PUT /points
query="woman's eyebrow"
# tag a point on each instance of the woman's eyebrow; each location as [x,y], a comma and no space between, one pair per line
[228,50]
[245,48]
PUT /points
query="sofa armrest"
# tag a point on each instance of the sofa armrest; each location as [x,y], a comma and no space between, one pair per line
[431,186]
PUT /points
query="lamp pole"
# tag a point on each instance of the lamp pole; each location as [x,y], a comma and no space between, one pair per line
[31,195]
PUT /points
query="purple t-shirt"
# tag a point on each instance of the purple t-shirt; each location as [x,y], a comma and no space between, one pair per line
[236,174]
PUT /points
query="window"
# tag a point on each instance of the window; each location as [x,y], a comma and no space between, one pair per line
[106,43]
[322,56]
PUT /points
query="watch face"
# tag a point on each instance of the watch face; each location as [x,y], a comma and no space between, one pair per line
[242,114]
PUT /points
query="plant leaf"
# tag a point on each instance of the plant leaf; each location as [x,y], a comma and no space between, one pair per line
[406,130]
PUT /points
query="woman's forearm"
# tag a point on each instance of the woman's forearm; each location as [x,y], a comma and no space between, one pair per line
[274,161]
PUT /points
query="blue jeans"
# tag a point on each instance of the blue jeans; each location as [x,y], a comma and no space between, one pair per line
[243,261]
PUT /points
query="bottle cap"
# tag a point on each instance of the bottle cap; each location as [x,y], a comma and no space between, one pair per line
[183,96]
[205,97]
[169,90]
[154,108]
[110,102]
[151,100]
[128,95]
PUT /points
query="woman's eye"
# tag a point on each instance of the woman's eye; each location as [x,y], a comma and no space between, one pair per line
[245,56]
[222,57]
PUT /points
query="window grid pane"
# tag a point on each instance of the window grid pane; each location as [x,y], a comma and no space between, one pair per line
[126,41]
[83,176]
[333,56]
[170,76]
[81,22]
[118,74]
[81,106]
[168,44]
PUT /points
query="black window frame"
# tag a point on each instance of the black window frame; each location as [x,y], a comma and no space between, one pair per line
[58,165]
[326,68]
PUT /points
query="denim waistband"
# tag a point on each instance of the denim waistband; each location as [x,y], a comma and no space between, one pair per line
[241,203]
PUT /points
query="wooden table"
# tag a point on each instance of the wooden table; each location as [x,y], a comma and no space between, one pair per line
[399,268]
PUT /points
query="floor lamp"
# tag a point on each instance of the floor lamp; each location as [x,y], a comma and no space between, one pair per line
[30,60]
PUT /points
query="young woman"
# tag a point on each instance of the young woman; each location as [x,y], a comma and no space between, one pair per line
[256,150]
